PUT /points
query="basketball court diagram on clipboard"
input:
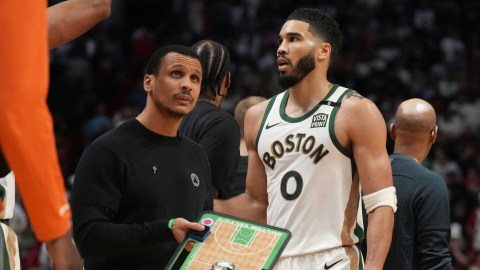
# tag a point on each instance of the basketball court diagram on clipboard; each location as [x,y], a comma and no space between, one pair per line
[241,243]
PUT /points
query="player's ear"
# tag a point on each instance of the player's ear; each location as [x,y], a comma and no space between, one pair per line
[391,131]
[324,50]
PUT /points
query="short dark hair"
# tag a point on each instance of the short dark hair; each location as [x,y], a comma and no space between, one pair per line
[321,25]
[153,63]
[215,60]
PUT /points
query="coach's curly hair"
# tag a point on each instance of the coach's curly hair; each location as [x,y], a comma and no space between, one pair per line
[215,60]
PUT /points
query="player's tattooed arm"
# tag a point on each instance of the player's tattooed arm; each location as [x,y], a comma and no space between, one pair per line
[354,94]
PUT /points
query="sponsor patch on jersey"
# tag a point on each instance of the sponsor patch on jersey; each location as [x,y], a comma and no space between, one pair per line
[319,120]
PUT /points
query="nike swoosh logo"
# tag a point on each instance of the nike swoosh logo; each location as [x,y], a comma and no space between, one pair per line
[270,126]
[331,265]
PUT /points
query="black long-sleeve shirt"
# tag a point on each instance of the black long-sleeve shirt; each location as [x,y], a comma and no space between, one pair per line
[128,184]
[422,222]
[219,134]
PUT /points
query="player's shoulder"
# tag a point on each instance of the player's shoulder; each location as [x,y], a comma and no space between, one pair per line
[253,118]
[355,104]
[353,100]
[259,108]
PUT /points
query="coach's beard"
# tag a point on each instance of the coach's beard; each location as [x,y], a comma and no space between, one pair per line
[166,110]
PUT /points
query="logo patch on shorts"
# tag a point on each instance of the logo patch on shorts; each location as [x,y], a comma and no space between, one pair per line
[319,120]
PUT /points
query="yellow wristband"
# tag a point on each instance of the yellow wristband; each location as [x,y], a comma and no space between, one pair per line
[170,223]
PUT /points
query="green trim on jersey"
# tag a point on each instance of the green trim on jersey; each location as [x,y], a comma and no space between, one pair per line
[4,254]
[360,261]
[358,231]
[331,128]
[265,115]
[289,119]
[354,166]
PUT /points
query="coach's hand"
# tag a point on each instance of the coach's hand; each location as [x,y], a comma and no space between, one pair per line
[180,228]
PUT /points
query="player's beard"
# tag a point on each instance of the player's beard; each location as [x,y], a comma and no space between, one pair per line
[304,66]
[162,108]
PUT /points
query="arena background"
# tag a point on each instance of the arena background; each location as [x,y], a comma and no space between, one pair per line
[393,50]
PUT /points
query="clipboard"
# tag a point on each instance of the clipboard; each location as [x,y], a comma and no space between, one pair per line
[230,243]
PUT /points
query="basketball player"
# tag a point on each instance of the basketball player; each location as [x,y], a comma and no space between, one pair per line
[141,178]
[422,223]
[26,128]
[211,127]
[310,147]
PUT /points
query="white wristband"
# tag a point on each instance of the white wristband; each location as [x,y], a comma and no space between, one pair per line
[383,197]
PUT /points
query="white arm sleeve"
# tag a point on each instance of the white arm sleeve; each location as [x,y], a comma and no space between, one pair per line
[383,197]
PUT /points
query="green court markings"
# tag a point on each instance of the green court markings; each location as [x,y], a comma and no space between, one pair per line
[243,236]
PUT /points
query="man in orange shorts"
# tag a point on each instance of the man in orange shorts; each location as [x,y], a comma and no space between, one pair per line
[26,126]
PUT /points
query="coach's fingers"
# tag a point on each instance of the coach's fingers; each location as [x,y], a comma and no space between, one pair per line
[189,246]
[195,226]
[181,226]
[178,230]
[185,225]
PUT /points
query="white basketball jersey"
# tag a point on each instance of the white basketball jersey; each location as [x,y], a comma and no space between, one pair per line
[311,186]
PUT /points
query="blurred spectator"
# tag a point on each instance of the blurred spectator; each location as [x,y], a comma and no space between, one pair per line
[472,180]
[447,168]
[458,248]
[451,123]
[97,124]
